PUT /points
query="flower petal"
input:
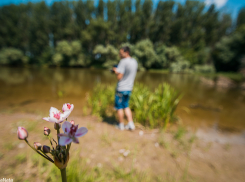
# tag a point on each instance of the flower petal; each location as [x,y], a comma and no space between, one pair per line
[66,126]
[59,121]
[64,140]
[81,131]
[22,133]
[46,118]
[72,107]
[62,134]
[53,120]
[53,110]
[65,115]
[67,107]
[75,140]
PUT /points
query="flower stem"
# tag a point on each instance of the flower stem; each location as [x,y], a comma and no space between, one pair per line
[51,142]
[68,148]
[58,132]
[45,156]
[63,175]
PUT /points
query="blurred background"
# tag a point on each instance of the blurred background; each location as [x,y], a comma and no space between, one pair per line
[191,57]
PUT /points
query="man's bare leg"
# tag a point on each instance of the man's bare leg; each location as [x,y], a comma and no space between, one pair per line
[130,124]
[120,118]
[128,114]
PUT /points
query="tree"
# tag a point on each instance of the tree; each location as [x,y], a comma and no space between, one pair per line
[161,28]
[100,10]
[61,24]
[39,31]
[241,17]
[229,52]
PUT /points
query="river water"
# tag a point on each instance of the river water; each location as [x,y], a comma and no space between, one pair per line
[35,90]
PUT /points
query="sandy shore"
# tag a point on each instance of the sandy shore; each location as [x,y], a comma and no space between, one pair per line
[174,155]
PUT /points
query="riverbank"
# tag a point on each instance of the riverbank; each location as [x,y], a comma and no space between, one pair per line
[106,154]
[236,77]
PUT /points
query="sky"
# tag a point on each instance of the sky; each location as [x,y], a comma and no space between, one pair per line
[230,6]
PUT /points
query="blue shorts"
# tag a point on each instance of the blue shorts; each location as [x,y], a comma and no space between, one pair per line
[121,99]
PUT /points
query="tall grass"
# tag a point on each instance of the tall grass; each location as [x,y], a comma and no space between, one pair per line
[150,108]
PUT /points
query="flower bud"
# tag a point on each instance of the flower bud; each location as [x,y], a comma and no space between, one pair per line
[72,122]
[46,131]
[60,155]
[38,146]
[22,133]
[57,126]
[46,149]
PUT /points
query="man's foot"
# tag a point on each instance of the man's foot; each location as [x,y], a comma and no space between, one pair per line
[130,126]
[120,126]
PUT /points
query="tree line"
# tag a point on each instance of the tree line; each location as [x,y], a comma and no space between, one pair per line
[179,37]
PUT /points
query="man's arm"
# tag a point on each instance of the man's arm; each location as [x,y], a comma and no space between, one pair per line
[119,75]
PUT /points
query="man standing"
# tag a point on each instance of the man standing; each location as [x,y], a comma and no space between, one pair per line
[125,72]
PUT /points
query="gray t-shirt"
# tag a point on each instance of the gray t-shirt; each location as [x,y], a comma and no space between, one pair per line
[128,67]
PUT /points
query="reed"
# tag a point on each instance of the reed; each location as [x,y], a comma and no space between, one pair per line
[150,108]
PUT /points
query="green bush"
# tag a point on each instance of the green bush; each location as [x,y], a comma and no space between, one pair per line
[180,67]
[69,54]
[145,54]
[204,68]
[150,108]
[12,56]
[108,55]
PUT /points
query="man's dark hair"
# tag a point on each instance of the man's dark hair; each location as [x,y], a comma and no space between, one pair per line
[126,49]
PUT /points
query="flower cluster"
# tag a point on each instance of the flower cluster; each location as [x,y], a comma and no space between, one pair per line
[59,151]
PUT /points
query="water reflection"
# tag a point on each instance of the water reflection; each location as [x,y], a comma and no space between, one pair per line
[34,87]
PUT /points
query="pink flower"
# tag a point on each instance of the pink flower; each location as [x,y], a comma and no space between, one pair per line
[55,116]
[38,146]
[67,107]
[22,133]
[46,131]
[71,133]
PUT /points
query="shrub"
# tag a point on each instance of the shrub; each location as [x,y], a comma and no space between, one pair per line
[108,56]
[204,68]
[12,56]
[180,67]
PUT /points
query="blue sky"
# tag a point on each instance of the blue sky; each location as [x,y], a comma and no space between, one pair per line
[230,6]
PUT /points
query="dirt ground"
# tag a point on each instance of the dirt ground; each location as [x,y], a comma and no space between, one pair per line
[199,155]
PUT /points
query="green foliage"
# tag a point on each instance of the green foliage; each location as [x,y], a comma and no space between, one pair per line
[102,99]
[145,54]
[68,33]
[241,18]
[12,56]
[180,67]
[154,109]
[150,108]
[69,54]
[204,68]
[108,55]
[229,52]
